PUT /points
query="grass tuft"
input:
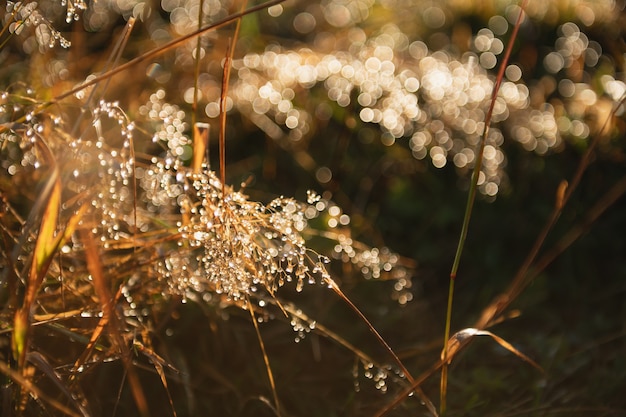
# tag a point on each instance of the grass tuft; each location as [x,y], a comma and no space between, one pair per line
[131,268]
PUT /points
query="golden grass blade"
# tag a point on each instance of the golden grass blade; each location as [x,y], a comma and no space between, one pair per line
[510,348]
[458,340]
[46,243]
[50,202]
[133,162]
[107,302]
[19,338]
[34,218]
[270,374]
[222,137]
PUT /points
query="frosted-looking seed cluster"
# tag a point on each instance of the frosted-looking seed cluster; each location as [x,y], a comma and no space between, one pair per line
[369,262]
[205,238]
[226,245]
[376,263]
[238,247]
[171,126]
[114,200]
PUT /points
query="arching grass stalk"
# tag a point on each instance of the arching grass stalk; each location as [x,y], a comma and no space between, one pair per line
[112,62]
[266,359]
[470,205]
[415,387]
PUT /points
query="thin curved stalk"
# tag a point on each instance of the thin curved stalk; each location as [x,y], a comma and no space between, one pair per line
[196,70]
[270,374]
[230,52]
[388,348]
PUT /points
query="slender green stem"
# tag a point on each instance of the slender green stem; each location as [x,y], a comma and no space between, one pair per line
[470,205]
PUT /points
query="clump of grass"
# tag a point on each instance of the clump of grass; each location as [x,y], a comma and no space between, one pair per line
[129,217]
[115,233]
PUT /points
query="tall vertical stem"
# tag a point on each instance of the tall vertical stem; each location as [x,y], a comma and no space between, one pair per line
[470,205]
